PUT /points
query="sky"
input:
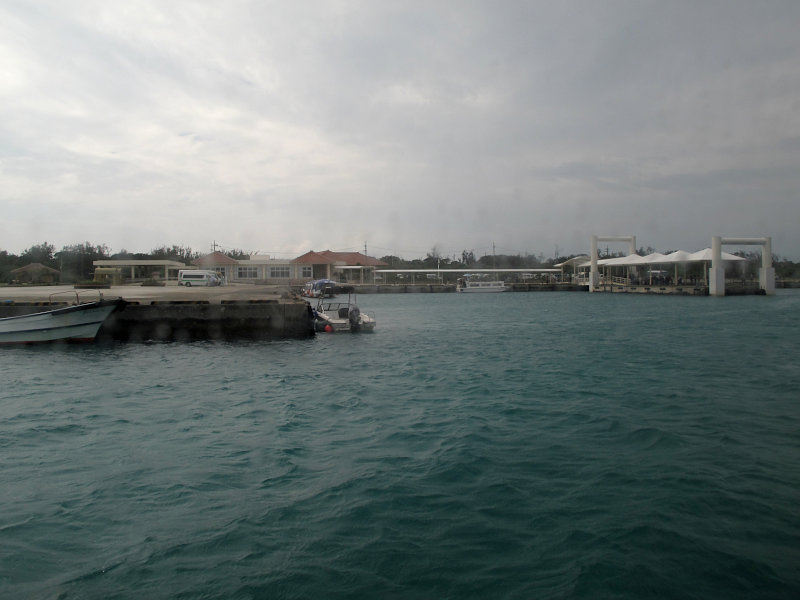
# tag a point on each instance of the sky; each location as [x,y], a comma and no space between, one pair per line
[403,127]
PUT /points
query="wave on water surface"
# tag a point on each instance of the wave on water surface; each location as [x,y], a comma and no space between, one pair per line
[548,445]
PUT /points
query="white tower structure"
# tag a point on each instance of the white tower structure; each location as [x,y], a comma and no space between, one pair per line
[594,274]
[716,274]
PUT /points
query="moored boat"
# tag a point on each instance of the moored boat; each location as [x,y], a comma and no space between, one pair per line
[78,323]
[334,316]
[478,285]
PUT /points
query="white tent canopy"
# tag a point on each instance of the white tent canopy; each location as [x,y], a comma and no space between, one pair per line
[705,255]
[679,256]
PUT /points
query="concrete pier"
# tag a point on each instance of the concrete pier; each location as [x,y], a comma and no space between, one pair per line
[175,313]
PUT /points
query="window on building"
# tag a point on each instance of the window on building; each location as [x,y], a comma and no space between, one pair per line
[247,272]
[279,272]
[307,271]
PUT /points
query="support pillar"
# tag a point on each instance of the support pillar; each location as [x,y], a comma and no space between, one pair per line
[594,276]
[716,274]
[766,274]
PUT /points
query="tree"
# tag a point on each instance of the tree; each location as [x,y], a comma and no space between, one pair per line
[76,262]
[8,262]
[393,261]
[178,253]
[43,253]
[237,254]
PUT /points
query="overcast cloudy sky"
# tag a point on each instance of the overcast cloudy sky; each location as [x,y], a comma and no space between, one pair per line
[285,126]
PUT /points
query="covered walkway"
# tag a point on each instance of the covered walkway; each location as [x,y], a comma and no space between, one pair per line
[656,269]
[144,268]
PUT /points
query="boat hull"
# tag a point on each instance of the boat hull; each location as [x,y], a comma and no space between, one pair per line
[482,287]
[78,323]
[333,317]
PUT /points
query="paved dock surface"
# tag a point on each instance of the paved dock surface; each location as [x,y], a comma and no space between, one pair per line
[145,294]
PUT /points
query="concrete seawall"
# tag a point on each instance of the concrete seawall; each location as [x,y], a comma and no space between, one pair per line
[179,314]
[229,320]
[443,288]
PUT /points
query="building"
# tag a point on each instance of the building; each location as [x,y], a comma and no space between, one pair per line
[218,262]
[36,273]
[347,267]
[350,267]
[137,270]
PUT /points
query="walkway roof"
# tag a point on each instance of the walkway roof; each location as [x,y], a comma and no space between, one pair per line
[172,264]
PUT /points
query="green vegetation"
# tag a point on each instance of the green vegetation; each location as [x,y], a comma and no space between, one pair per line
[75,263]
[467,260]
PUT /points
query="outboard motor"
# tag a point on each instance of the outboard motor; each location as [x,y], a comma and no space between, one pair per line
[354,318]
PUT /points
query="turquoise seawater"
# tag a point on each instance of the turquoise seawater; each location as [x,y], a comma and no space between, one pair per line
[522,445]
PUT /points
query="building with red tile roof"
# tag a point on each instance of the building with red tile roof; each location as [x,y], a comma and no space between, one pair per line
[344,266]
[349,267]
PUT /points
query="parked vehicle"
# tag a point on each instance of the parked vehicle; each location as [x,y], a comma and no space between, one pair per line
[196,277]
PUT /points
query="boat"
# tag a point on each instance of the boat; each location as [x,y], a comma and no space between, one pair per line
[335,316]
[466,285]
[77,323]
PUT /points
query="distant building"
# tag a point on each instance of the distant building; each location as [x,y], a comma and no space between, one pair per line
[219,262]
[36,273]
[351,267]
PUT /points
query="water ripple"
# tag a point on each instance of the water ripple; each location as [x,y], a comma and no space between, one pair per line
[524,445]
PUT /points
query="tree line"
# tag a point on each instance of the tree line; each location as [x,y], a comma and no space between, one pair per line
[75,262]
[467,260]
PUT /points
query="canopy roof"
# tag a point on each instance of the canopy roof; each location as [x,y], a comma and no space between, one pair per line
[679,256]
[575,260]
[35,268]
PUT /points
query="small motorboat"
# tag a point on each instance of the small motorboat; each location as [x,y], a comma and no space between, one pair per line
[78,323]
[334,316]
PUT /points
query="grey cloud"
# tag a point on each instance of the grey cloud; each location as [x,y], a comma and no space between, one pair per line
[423,123]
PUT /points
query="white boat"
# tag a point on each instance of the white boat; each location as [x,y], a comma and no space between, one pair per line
[78,323]
[478,286]
[333,316]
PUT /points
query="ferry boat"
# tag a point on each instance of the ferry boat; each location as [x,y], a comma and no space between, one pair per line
[465,285]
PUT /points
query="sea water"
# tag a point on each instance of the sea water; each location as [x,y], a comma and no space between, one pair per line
[518,445]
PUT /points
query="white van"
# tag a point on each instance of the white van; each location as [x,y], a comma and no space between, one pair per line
[190,277]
